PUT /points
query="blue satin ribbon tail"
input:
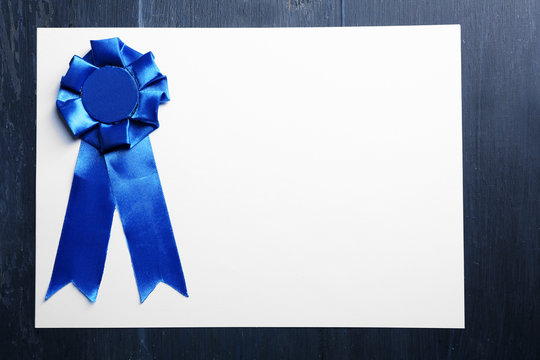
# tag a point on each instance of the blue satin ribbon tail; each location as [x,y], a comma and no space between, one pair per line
[141,204]
[82,250]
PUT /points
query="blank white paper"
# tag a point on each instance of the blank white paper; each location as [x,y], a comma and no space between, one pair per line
[313,178]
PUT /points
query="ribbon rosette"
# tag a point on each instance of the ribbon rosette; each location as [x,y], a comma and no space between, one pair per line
[110,99]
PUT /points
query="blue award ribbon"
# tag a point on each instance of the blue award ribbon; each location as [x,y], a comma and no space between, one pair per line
[110,99]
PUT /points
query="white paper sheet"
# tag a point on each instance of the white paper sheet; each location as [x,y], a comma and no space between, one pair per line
[313,177]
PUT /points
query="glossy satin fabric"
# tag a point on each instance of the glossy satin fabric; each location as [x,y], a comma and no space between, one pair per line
[87,225]
[115,168]
[136,187]
[151,86]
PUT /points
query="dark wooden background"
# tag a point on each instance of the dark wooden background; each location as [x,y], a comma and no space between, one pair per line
[501,159]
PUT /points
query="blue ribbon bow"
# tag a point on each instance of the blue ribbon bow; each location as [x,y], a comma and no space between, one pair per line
[110,99]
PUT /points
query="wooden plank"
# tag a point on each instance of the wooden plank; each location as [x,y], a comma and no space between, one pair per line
[240,13]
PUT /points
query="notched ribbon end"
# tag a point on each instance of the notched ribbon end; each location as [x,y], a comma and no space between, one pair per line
[91,294]
[146,291]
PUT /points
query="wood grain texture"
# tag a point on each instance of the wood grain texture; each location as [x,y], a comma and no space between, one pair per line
[501,153]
